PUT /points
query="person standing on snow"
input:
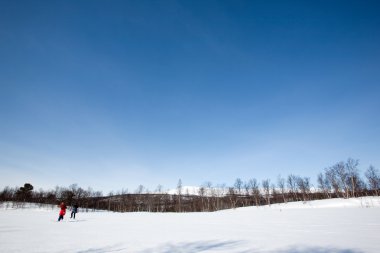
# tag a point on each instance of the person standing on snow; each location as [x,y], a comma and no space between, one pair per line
[62,212]
[74,210]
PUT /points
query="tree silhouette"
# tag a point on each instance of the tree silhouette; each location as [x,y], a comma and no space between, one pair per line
[25,192]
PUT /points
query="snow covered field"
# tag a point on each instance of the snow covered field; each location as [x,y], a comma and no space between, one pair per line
[339,226]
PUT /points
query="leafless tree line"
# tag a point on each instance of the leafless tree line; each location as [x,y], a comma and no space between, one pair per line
[87,199]
[342,180]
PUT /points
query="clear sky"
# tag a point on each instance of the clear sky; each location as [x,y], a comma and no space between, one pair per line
[113,94]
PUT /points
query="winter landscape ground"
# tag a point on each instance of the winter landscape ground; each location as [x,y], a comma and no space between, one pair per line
[336,225]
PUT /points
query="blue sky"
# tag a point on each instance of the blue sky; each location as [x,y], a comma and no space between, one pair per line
[113,94]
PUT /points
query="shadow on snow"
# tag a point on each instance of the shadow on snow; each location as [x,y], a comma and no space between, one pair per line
[190,247]
[115,248]
[222,246]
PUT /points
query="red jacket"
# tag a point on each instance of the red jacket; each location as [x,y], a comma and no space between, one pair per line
[63,209]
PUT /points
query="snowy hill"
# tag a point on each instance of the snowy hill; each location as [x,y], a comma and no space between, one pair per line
[336,225]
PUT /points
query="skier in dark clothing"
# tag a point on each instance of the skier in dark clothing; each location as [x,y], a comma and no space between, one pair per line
[74,210]
[62,212]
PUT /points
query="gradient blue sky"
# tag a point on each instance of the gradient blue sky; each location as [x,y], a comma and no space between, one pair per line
[113,94]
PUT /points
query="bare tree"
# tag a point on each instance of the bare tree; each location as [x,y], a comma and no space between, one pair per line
[246,188]
[323,185]
[292,186]
[353,174]
[340,170]
[304,187]
[179,192]
[208,186]
[274,193]
[246,193]
[255,190]
[238,185]
[202,192]
[232,197]
[220,192]
[8,194]
[139,198]
[124,200]
[373,177]
[332,179]
[266,189]
[281,186]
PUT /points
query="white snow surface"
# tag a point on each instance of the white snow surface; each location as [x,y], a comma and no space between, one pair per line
[335,225]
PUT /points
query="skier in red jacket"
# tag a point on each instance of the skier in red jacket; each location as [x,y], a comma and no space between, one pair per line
[62,212]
